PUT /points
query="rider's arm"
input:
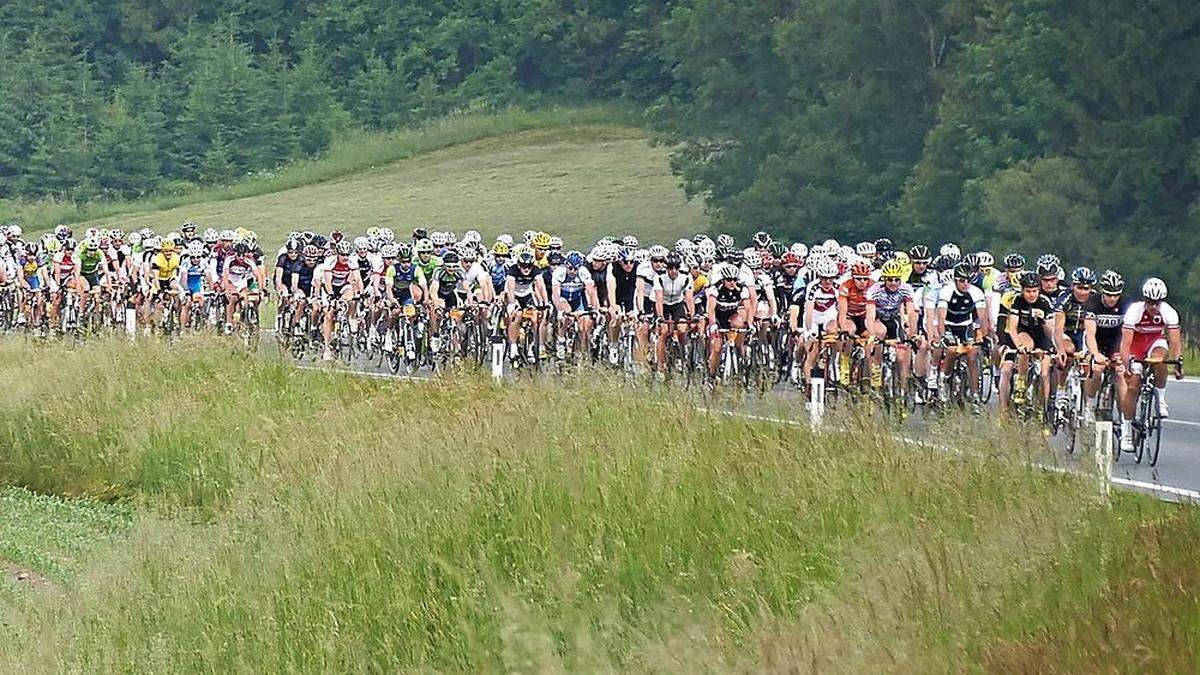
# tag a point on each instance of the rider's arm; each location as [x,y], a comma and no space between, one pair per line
[711,309]
[639,292]
[612,289]
[510,290]
[658,301]
[556,295]
[593,298]
[1011,328]
[1174,345]
[1126,343]
[1089,337]
[689,297]
[539,290]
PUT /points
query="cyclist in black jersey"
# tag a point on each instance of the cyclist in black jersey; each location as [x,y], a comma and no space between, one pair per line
[622,285]
[962,321]
[729,308]
[1102,318]
[1030,327]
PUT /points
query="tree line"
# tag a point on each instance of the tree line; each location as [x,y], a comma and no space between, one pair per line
[1069,126]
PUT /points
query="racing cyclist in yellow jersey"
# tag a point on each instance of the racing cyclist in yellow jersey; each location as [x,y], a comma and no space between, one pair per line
[164,272]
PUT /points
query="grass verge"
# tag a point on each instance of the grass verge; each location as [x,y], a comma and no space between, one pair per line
[298,521]
[353,153]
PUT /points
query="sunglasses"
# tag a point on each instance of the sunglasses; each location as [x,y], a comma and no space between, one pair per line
[1084,287]
[862,278]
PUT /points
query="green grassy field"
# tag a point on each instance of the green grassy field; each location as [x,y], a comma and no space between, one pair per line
[581,180]
[288,520]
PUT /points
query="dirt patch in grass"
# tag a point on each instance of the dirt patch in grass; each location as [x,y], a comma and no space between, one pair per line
[21,576]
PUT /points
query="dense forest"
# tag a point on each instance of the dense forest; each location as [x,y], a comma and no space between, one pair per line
[1070,125]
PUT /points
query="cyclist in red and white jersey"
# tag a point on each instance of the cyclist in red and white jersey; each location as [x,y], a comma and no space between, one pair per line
[1150,330]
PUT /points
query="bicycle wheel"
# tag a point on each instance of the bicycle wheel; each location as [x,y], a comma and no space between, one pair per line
[1153,439]
[1147,407]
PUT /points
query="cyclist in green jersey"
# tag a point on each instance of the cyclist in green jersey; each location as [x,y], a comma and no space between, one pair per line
[426,261]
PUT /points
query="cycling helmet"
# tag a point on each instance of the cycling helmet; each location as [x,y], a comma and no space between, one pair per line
[404,251]
[226,235]
[528,236]
[362,244]
[1083,275]
[689,259]
[799,249]
[419,233]
[861,268]
[320,241]
[919,253]
[386,235]
[629,241]
[187,226]
[865,249]
[724,240]
[195,249]
[555,258]
[963,271]
[500,248]
[950,250]
[826,268]
[674,260]
[735,256]
[892,269]
[1014,261]
[658,252]
[1048,260]
[1112,283]
[240,248]
[150,243]
[540,240]
[682,245]
[335,235]
[762,239]
[884,244]
[971,260]
[62,232]
[210,236]
[424,245]
[1154,289]
[293,245]
[468,252]
[372,232]
[556,242]
[1029,280]
[93,244]
[451,259]
[436,239]
[730,273]
[472,237]
[388,250]
[753,259]
[506,239]
[342,248]
[451,238]
[1046,268]
[707,248]
[525,258]
[575,259]
[641,255]
[985,259]
[791,258]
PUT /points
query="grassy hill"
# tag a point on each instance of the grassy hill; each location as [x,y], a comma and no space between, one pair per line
[294,521]
[573,175]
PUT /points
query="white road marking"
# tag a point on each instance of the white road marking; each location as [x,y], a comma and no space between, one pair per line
[1186,423]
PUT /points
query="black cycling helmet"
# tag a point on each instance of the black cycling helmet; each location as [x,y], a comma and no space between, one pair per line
[1030,280]
[963,271]
[883,245]
[294,245]
[1112,283]
[673,260]
[1014,261]
[555,258]
[776,248]
[919,253]
[241,248]
[420,233]
[761,239]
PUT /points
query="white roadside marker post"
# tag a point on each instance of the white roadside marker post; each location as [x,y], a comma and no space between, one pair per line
[1104,451]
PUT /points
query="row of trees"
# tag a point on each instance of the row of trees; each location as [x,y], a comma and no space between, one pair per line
[1068,125]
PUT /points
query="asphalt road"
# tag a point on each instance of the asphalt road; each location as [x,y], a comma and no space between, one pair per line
[1179,460]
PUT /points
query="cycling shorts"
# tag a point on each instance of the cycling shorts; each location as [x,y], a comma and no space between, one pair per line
[675,312]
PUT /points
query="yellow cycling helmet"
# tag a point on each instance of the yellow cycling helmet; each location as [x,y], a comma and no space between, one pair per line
[893,268]
[905,264]
[541,240]
[167,246]
[241,232]
[500,248]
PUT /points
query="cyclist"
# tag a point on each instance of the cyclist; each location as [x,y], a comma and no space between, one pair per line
[674,306]
[1102,318]
[341,283]
[962,320]
[1149,331]
[574,294]
[852,316]
[1069,329]
[525,289]
[197,273]
[1030,329]
[729,309]
[241,281]
[890,315]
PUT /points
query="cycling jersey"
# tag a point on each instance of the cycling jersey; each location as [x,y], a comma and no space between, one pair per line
[1149,327]
[340,270]
[823,299]
[888,303]
[428,266]
[961,308]
[523,280]
[624,283]
[673,290]
[572,285]
[90,263]
[785,286]
[403,275]
[194,269]
[856,298]
[499,274]
[1031,316]
[1108,322]
[1072,309]
[240,271]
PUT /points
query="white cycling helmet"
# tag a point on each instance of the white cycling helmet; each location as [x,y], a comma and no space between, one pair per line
[386,235]
[658,251]
[362,244]
[845,253]
[1154,289]
[799,249]
[824,267]
[950,250]
[641,255]
[506,239]
[195,248]
[472,237]
[724,240]
[754,259]
[865,249]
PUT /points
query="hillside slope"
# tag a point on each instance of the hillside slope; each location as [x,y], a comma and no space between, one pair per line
[582,181]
